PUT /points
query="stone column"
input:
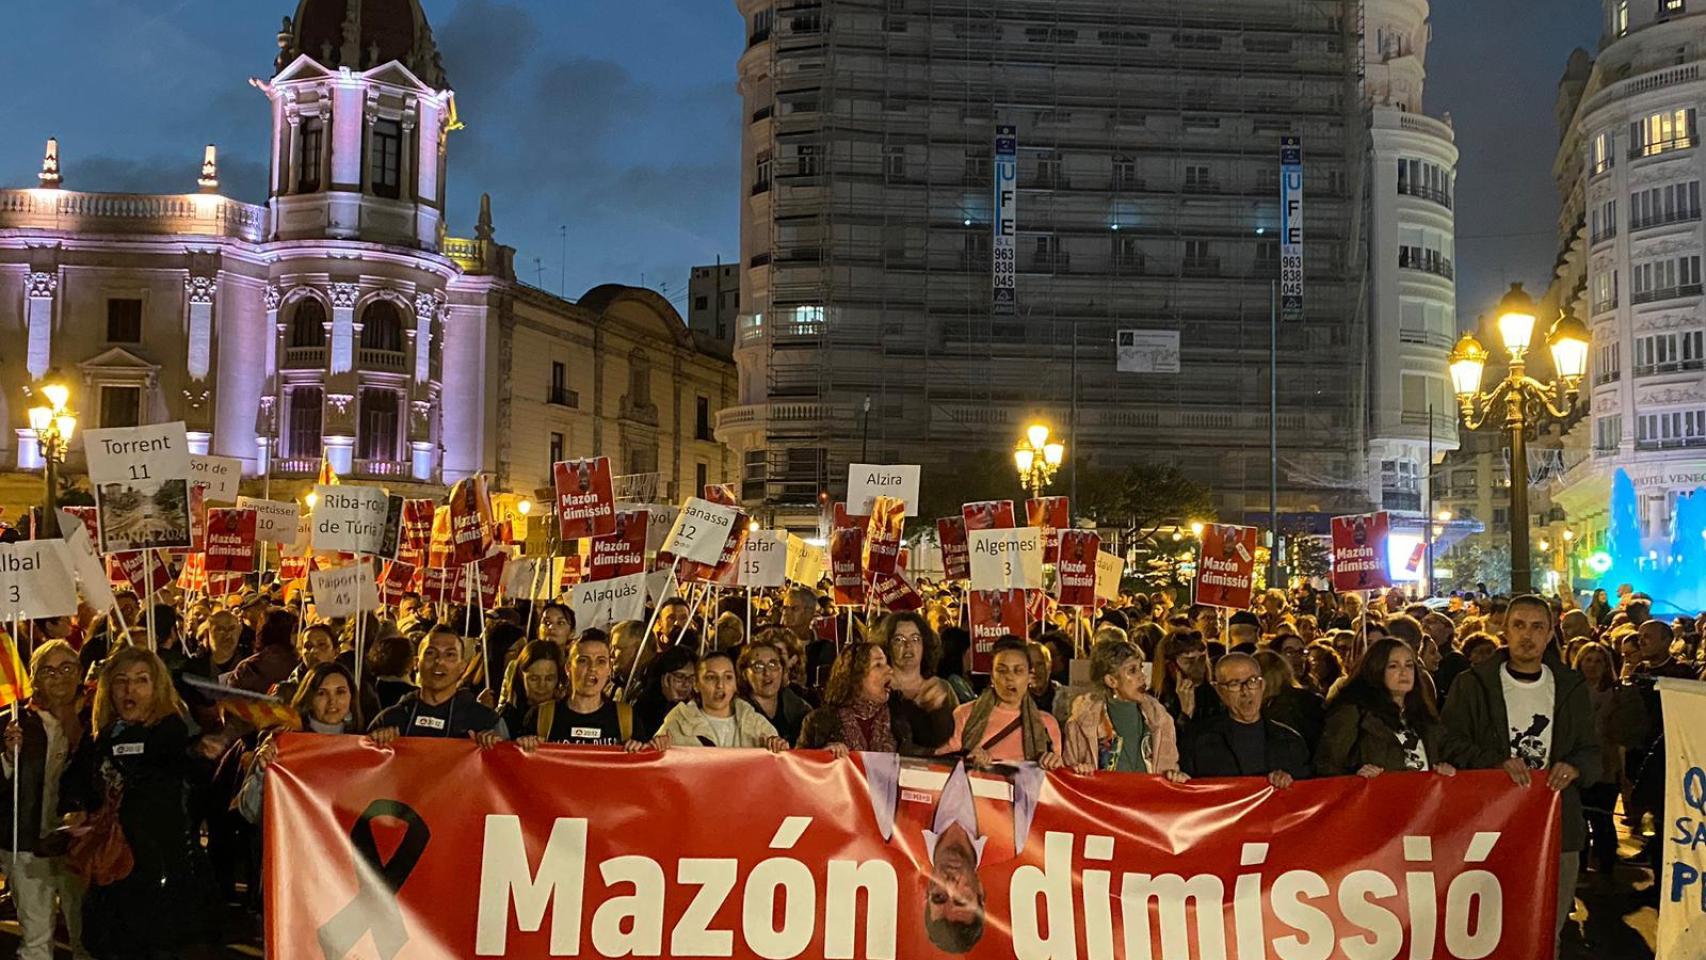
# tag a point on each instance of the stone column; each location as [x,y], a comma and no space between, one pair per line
[38,319]
[337,427]
[199,293]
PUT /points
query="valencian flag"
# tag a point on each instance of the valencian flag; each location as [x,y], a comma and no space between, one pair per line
[326,478]
[256,709]
[14,679]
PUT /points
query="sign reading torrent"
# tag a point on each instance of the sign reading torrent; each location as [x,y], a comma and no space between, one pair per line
[350,519]
[275,520]
[763,559]
[586,502]
[1226,566]
[1006,559]
[700,531]
[868,481]
[1360,560]
[141,477]
[220,475]
[600,603]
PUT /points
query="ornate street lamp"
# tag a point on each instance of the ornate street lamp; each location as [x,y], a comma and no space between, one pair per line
[54,423]
[1037,458]
[1526,401]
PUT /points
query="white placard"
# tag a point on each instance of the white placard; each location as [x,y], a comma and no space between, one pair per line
[151,454]
[519,576]
[220,475]
[345,591]
[764,559]
[1682,922]
[604,602]
[350,518]
[33,583]
[1010,559]
[83,563]
[868,481]
[275,520]
[1147,351]
[701,531]
[1110,570]
[659,585]
[806,563]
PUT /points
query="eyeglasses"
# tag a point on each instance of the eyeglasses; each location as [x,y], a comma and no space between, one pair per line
[765,666]
[1248,683]
[63,670]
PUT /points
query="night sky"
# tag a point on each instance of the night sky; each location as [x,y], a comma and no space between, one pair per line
[619,119]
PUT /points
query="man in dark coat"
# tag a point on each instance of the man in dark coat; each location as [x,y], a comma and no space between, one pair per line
[1241,742]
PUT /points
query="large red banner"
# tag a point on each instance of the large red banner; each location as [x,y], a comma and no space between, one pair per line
[1360,559]
[435,849]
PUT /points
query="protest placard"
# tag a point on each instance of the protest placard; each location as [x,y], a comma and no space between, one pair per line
[33,584]
[763,559]
[275,520]
[345,591]
[868,481]
[586,504]
[1006,558]
[221,476]
[600,603]
[350,519]
[1360,560]
[141,481]
[701,531]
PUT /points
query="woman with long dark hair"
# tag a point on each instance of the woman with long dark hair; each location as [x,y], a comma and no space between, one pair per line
[860,711]
[324,703]
[1383,718]
[535,678]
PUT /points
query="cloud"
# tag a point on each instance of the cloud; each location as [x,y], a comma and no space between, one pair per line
[239,176]
[486,41]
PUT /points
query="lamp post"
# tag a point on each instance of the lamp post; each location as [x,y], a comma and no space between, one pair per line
[1526,401]
[1037,457]
[54,424]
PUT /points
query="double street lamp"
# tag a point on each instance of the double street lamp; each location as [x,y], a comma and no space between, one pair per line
[1038,457]
[1526,402]
[53,423]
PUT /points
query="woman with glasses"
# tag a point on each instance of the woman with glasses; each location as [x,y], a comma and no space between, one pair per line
[763,667]
[913,652]
[671,679]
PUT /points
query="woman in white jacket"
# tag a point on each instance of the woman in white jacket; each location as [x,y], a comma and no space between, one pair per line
[720,718]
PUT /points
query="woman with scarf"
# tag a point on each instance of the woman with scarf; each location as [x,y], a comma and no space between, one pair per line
[1004,723]
[325,704]
[860,712]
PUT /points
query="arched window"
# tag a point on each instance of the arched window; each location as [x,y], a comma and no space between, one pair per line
[308,324]
[382,327]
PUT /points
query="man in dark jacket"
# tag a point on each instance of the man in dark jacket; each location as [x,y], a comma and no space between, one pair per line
[1525,712]
[1241,742]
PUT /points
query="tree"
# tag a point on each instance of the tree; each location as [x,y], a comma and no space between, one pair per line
[983,475]
[1310,557]
[1144,499]
[1475,561]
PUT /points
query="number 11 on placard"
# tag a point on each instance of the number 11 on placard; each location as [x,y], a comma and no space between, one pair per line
[139,471]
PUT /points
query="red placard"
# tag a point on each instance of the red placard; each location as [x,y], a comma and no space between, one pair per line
[623,552]
[993,614]
[882,536]
[956,554]
[893,591]
[1052,515]
[489,577]
[443,584]
[230,540]
[723,493]
[414,531]
[987,515]
[397,579]
[846,546]
[132,568]
[470,520]
[91,517]
[1226,566]
[586,501]
[1360,561]
[849,521]
[573,572]
[1075,569]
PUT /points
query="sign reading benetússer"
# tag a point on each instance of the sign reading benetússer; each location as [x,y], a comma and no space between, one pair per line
[275,520]
[1006,559]
[700,531]
[868,481]
[763,560]
[33,581]
[350,518]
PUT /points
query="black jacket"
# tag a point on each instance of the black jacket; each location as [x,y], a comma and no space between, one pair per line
[1359,733]
[1477,730]
[1207,750]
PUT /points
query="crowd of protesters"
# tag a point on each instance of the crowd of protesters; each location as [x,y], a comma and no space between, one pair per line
[1304,684]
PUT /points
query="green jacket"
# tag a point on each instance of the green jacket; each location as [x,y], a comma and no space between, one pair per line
[1355,735]
[1477,731]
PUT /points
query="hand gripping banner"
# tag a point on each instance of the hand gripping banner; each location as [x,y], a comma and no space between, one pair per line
[438,850]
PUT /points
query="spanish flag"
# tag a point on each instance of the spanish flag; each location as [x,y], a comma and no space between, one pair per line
[14,679]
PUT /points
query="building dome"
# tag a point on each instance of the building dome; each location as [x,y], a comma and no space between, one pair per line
[362,34]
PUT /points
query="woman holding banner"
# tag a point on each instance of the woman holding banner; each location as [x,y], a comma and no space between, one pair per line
[913,651]
[325,704]
[534,679]
[719,719]
[1004,724]
[138,771]
[1382,719]
[860,712]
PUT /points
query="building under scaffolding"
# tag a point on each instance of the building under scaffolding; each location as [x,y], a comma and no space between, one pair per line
[1148,199]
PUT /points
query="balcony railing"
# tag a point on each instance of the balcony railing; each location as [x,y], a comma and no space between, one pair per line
[1200,266]
[1429,261]
[383,359]
[1663,218]
[1665,293]
[1672,366]
[130,213]
[1673,443]
[563,397]
[381,468]
[1605,306]
[1609,233]
[296,466]
[1440,197]
[646,413]
[1607,376]
[304,358]
[1657,147]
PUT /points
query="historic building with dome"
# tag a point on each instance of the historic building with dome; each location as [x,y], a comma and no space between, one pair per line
[339,319]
